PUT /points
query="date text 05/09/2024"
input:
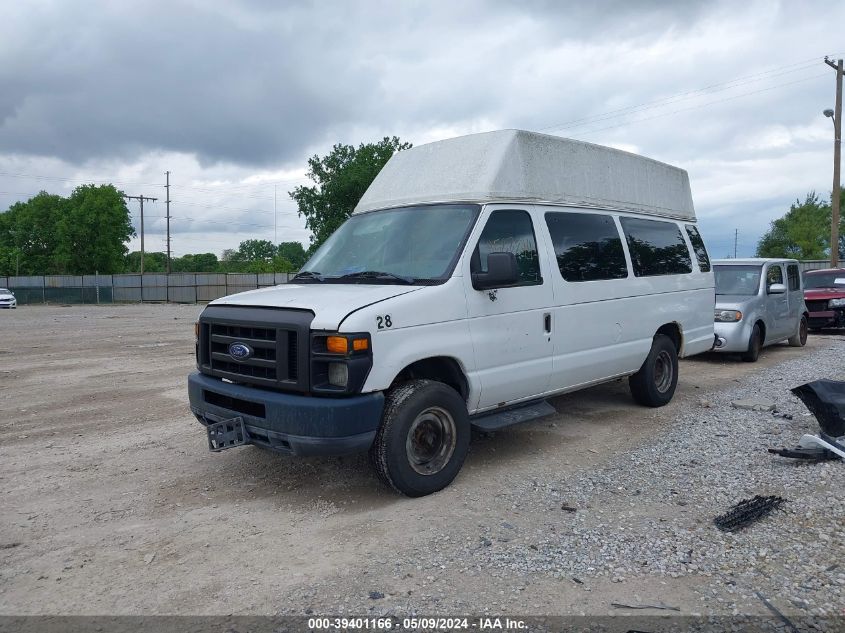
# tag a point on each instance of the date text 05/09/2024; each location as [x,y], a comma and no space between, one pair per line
[417,623]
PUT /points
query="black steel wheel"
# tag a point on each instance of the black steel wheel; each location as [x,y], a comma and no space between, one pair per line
[654,384]
[423,438]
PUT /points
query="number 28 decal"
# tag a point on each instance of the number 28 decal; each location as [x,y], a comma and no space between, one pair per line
[384,321]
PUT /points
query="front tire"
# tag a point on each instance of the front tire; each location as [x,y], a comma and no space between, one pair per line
[423,438]
[799,339]
[755,344]
[654,384]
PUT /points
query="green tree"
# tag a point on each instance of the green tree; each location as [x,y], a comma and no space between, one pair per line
[195,263]
[256,251]
[341,178]
[153,262]
[28,236]
[93,231]
[283,265]
[803,233]
[293,253]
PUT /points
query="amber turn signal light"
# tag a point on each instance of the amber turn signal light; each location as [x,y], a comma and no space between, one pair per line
[337,344]
[360,344]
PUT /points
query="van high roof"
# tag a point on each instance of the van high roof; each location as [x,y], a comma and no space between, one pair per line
[515,165]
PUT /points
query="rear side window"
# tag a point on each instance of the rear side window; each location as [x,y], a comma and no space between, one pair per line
[774,275]
[794,277]
[698,248]
[510,232]
[657,248]
[587,246]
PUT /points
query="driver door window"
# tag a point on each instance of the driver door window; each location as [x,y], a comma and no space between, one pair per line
[510,231]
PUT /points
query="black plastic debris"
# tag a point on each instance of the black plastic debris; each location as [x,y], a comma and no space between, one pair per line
[746,512]
[811,454]
[826,400]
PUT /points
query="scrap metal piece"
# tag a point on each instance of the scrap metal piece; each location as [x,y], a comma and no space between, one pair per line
[746,512]
[826,400]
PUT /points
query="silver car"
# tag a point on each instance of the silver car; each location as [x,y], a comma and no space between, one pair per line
[759,302]
[7,299]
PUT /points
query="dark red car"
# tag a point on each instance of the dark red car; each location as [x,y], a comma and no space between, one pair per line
[824,295]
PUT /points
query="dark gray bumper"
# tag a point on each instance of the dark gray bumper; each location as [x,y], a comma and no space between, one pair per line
[288,423]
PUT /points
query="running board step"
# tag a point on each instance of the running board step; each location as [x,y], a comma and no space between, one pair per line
[501,419]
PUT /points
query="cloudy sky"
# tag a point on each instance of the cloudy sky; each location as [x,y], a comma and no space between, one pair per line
[232,98]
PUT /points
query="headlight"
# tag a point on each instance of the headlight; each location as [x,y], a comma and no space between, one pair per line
[836,303]
[727,316]
[340,363]
[338,374]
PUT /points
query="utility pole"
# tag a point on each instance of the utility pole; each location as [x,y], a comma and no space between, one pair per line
[275,232]
[167,186]
[141,199]
[837,155]
[736,239]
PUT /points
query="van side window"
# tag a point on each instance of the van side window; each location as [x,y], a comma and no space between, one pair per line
[774,275]
[794,277]
[698,247]
[657,248]
[587,246]
[510,232]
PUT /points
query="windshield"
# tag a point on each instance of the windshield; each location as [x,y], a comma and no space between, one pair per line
[406,245]
[737,280]
[826,280]
[3,291]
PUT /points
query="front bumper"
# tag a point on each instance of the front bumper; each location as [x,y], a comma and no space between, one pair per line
[827,318]
[735,335]
[8,304]
[289,423]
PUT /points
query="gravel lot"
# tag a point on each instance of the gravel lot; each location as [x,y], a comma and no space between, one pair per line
[112,504]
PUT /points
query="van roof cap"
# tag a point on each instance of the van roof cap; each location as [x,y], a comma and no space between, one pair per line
[515,165]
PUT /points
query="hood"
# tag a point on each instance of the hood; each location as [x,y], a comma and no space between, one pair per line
[6,295]
[824,293]
[330,303]
[734,302]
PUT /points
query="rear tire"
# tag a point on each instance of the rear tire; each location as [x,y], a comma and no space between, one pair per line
[755,344]
[654,384]
[423,438]
[799,339]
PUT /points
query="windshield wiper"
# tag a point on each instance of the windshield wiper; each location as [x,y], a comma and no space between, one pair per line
[375,274]
[308,274]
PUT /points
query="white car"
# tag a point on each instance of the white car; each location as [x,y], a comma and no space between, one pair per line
[477,277]
[7,299]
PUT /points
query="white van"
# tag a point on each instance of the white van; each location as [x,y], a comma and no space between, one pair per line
[477,277]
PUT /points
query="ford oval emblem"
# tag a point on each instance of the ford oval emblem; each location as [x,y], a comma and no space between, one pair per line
[240,351]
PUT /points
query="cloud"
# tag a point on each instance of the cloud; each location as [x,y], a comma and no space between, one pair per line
[234,97]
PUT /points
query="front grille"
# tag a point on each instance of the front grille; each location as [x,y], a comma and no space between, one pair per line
[275,360]
[816,306]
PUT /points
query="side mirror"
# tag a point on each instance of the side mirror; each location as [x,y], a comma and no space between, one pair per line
[501,271]
[777,289]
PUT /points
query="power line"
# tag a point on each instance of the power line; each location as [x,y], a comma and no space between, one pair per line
[702,105]
[733,83]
